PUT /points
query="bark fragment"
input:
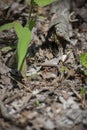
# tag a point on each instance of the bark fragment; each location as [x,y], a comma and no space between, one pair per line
[60,19]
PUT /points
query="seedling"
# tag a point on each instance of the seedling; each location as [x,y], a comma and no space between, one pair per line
[83,61]
[24,33]
[83,91]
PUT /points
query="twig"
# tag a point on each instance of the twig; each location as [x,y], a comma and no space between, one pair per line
[9,100]
[26,87]
[77,95]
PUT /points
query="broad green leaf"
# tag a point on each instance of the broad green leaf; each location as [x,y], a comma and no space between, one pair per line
[23,43]
[83,59]
[6,26]
[18,28]
[24,38]
[43,2]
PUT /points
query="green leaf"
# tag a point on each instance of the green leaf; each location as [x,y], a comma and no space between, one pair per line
[18,28]
[37,103]
[85,72]
[43,2]
[63,69]
[23,43]
[83,59]
[24,38]
[83,91]
[7,48]
[6,26]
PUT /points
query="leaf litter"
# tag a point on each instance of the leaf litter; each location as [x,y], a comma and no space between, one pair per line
[54,101]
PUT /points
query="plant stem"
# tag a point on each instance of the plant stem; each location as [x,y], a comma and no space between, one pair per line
[30,12]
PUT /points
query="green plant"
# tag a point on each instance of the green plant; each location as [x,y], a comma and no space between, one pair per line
[83,61]
[83,91]
[63,69]
[24,33]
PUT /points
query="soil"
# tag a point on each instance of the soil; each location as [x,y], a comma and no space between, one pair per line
[50,97]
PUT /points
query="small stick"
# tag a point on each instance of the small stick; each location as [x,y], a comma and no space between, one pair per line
[77,95]
[49,65]
[26,87]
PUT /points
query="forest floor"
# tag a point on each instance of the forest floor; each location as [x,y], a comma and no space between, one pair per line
[50,98]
